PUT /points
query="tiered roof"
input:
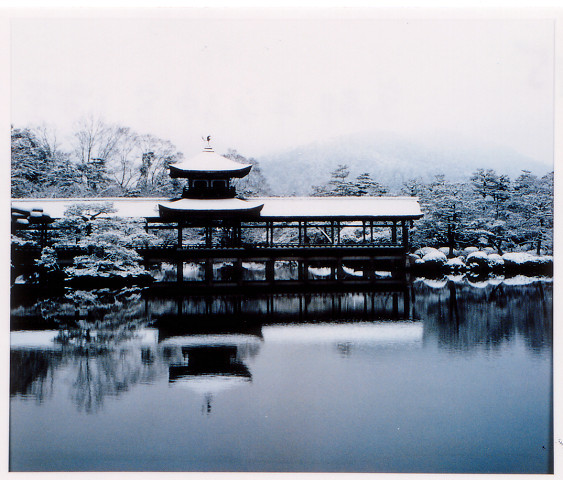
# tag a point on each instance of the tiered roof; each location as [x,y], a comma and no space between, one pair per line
[208,163]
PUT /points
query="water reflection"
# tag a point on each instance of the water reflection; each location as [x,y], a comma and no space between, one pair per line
[205,343]
[480,314]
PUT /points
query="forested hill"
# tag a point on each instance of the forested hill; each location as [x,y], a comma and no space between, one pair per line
[390,159]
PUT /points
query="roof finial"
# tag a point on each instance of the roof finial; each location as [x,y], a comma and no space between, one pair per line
[207,139]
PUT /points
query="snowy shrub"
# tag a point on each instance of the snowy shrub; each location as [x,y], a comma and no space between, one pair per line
[424,250]
[20,242]
[466,251]
[433,258]
[477,260]
[495,260]
[455,263]
[520,258]
[522,261]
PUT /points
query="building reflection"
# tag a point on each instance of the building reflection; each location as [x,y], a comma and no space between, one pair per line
[207,344]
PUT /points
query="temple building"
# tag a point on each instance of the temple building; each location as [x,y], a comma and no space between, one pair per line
[209,193]
[331,237]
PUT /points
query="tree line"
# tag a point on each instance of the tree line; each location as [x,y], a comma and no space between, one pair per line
[102,160]
[487,209]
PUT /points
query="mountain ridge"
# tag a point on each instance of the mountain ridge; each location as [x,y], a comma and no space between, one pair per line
[391,159]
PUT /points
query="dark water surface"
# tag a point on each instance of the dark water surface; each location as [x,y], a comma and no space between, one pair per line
[438,377]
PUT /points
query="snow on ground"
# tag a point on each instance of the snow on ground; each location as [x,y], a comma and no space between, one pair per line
[352,272]
[521,258]
[320,272]
[254,267]
[382,274]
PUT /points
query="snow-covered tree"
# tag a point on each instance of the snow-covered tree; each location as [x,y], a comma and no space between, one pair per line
[531,209]
[255,183]
[30,162]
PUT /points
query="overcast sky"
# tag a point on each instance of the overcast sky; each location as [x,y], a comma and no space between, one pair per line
[261,85]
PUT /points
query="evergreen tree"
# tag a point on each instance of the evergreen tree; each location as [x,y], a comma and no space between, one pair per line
[531,208]
[30,163]
[365,185]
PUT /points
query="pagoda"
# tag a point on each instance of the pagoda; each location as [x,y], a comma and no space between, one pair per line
[209,193]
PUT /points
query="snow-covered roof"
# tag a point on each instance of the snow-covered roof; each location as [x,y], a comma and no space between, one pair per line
[223,206]
[209,162]
[125,207]
[274,207]
[341,207]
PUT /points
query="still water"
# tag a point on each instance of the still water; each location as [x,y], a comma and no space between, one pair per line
[439,376]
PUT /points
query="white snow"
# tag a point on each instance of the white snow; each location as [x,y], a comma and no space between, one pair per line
[455,262]
[476,255]
[383,274]
[320,272]
[274,207]
[211,204]
[434,256]
[495,259]
[210,161]
[254,267]
[352,272]
[524,257]
[382,207]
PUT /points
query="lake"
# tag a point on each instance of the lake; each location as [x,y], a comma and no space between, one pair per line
[443,376]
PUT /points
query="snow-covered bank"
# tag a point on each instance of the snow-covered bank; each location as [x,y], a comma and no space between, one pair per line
[473,260]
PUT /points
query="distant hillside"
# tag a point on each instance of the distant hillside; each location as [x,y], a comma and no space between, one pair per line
[390,159]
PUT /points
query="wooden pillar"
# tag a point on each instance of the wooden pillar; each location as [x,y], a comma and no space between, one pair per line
[371,230]
[208,271]
[406,303]
[338,231]
[270,270]
[339,270]
[367,271]
[395,305]
[180,235]
[405,234]
[269,234]
[394,232]
[208,236]
[364,230]
[332,232]
[237,264]
[305,237]
[300,234]
[302,271]
[179,271]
